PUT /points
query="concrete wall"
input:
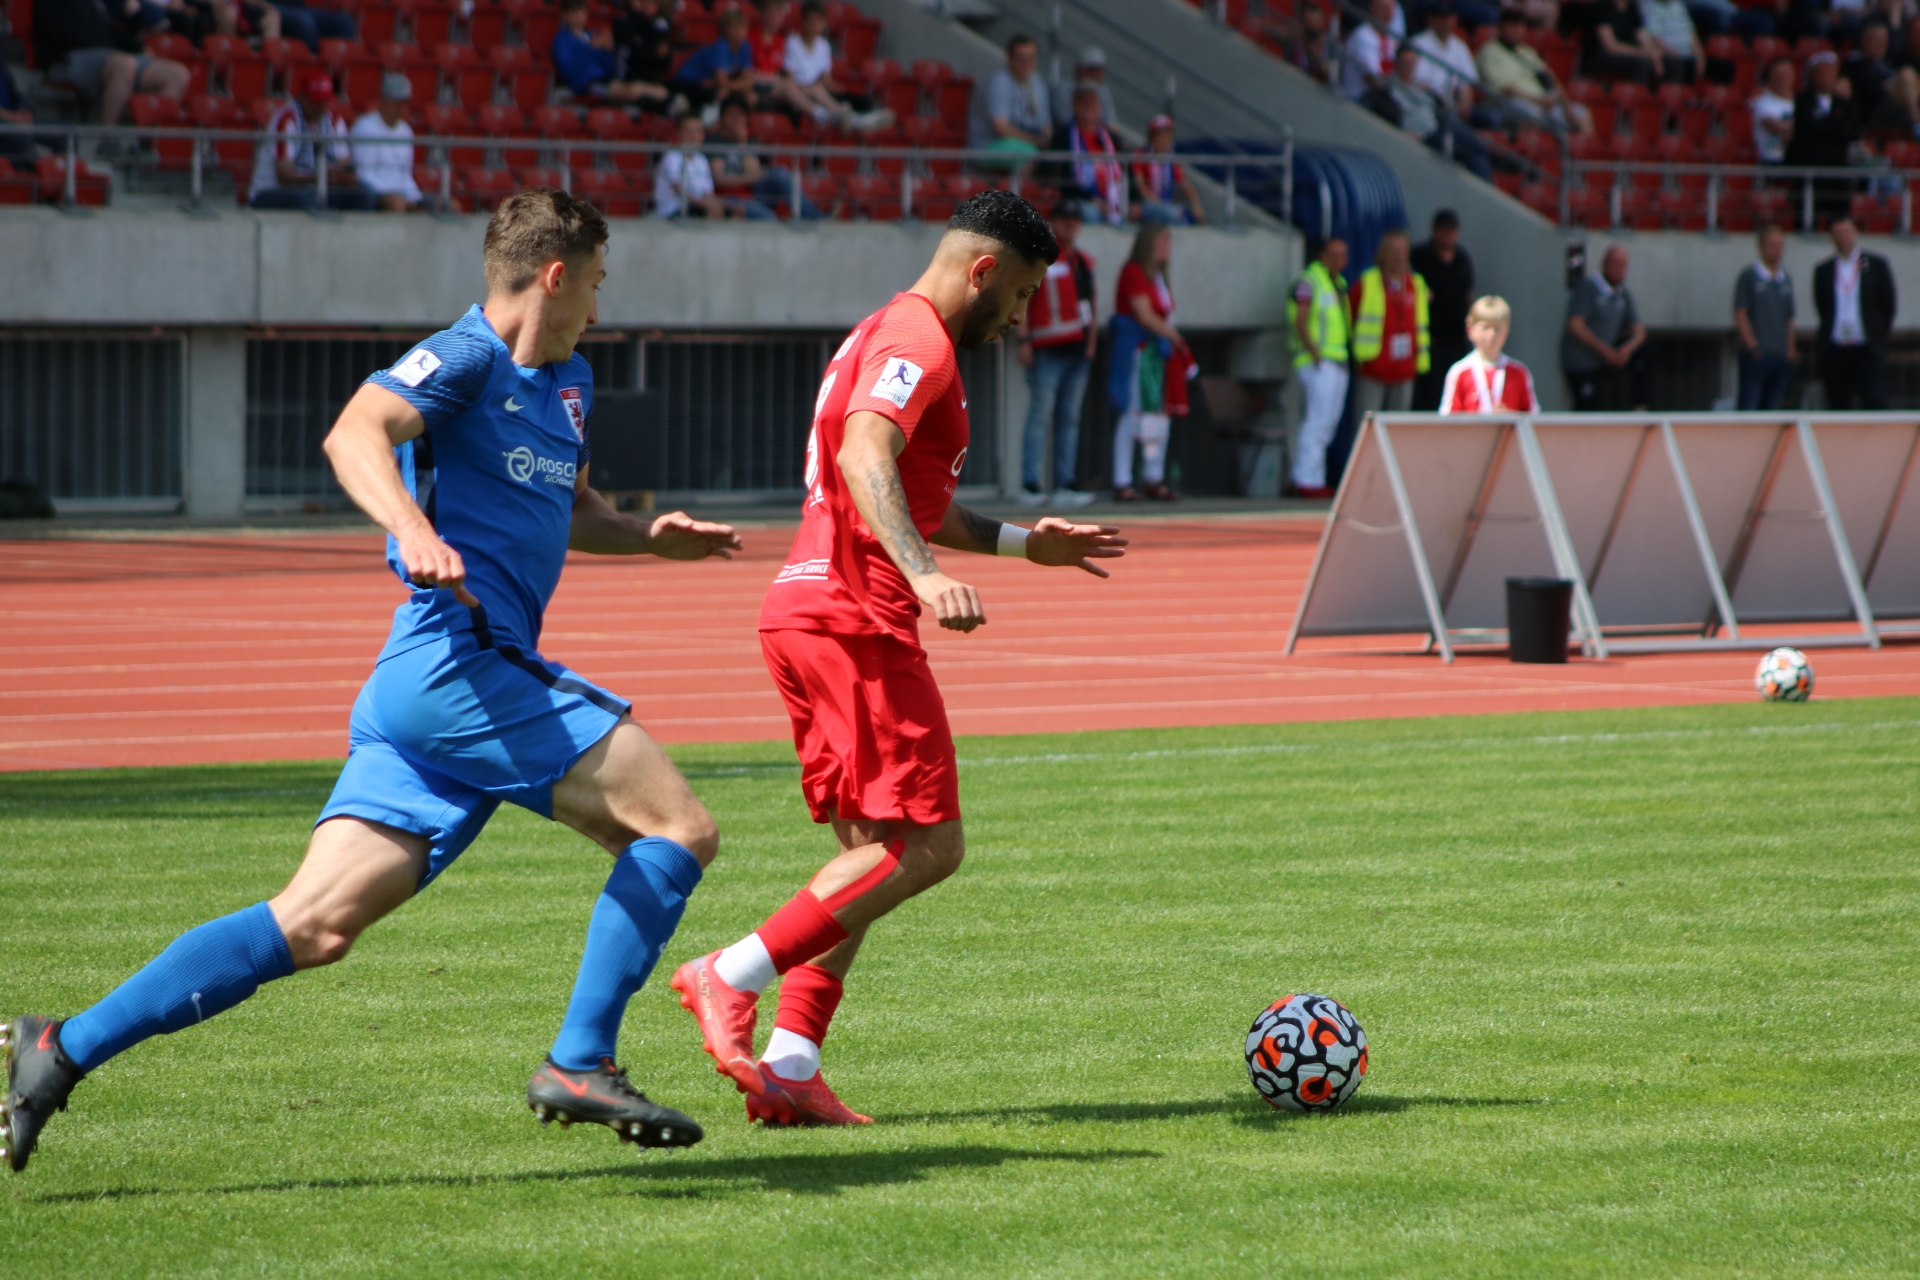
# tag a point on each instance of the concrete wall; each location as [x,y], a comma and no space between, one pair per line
[1685,282]
[292,269]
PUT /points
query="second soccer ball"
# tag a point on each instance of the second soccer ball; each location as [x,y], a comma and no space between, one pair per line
[1784,675]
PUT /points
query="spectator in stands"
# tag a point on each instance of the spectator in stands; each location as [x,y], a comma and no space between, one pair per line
[1619,46]
[1015,115]
[1446,64]
[588,63]
[1682,57]
[1412,106]
[1773,113]
[1091,68]
[1900,109]
[15,147]
[1444,263]
[643,50]
[1055,345]
[1320,320]
[1095,168]
[1869,72]
[311,26]
[1368,65]
[1147,376]
[1825,127]
[773,86]
[79,43]
[1854,295]
[720,69]
[747,185]
[809,64]
[1392,344]
[1529,91]
[1308,43]
[683,184]
[284,172]
[1846,17]
[1162,192]
[383,148]
[1763,317]
[1602,351]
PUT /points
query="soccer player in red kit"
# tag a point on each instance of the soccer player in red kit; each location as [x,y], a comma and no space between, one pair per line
[840,633]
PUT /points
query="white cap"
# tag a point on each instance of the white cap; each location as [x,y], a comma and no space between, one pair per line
[1092,56]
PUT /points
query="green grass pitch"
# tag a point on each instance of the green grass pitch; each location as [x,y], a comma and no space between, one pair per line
[1641,990]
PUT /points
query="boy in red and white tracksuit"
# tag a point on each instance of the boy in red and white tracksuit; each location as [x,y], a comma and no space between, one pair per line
[1487,381]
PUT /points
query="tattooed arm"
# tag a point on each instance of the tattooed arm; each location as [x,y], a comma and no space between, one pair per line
[965,530]
[866,460]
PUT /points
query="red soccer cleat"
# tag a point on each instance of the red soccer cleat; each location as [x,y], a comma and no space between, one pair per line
[784,1102]
[726,1019]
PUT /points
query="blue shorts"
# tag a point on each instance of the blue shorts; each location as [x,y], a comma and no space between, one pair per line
[442,733]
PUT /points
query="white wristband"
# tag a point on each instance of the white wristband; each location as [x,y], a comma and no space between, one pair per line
[1013,541]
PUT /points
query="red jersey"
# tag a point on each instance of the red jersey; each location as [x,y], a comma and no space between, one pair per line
[1474,388]
[1399,358]
[838,579]
[769,51]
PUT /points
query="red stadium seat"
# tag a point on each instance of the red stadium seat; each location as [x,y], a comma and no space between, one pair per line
[557,122]
[609,191]
[211,112]
[1903,154]
[486,188]
[860,39]
[451,120]
[336,53]
[155,111]
[960,186]
[771,128]
[1768,48]
[1640,209]
[532,87]
[1629,96]
[841,15]
[1697,122]
[431,22]
[427,178]
[1674,96]
[377,22]
[1725,46]
[539,31]
[1684,210]
[167,44]
[360,84]
[953,100]
[538,177]
[879,72]
[1876,216]
[930,72]
[1590,206]
[1648,120]
[1507,182]
[91,185]
[509,58]
[609,122]
[821,188]
[220,51]
[453,57]
[502,120]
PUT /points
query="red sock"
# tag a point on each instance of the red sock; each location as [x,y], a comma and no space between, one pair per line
[808,997]
[805,927]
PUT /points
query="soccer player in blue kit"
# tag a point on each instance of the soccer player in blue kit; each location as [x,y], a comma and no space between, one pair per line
[471,452]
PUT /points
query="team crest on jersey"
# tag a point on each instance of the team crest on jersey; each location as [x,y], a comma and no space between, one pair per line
[897,380]
[416,367]
[576,411]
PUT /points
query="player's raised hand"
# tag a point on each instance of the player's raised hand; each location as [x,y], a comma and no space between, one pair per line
[1061,542]
[955,604]
[432,563]
[678,536]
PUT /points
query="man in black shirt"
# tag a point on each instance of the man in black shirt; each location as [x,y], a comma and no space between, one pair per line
[1868,70]
[83,44]
[643,41]
[1825,127]
[1448,270]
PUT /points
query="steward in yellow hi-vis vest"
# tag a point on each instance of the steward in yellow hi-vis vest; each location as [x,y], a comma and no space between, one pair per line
[1328,317]
[1391,342]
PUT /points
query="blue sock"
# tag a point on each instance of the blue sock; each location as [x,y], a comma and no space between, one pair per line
[636,914]
[206,971]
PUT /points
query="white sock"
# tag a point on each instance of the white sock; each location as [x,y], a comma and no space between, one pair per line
[791,1056]
[746,966]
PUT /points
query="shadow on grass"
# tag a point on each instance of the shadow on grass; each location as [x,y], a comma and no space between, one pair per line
[1243,1109]
[670,1177]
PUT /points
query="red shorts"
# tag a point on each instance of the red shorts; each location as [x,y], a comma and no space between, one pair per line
[869,726]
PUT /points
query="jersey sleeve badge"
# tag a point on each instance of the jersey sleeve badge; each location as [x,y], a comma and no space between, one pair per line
[576,411]
[896,383]
[415,367]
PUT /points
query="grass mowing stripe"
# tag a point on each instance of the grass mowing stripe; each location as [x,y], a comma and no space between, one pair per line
[1638,1008]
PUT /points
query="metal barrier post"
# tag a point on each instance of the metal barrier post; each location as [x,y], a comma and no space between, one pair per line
[199,145]
[446,183]
[1806,203]
[906,190]
[70,188]
[1713,201]
[320,158]
[793,180]
[1233,171]
[1906,209]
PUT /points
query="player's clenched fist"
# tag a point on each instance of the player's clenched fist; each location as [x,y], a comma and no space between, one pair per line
[432,563]
[1061,542]
[678,536]
[955,604]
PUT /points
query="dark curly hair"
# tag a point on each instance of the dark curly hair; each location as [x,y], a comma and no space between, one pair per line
[1005,217]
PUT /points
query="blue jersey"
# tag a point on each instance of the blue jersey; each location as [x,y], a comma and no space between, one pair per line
[494,472]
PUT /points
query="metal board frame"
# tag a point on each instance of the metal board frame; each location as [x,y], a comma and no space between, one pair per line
[1759,494]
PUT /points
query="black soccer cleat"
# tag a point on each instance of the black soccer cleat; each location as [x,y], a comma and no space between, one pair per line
[605,1096]
[39,1078]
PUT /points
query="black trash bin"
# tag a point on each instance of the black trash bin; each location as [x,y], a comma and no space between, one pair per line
[1539,611]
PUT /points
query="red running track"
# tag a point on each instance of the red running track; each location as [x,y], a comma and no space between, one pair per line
[183,650]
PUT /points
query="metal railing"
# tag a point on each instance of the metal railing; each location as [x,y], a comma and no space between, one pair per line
[1015,169]
[1807,179]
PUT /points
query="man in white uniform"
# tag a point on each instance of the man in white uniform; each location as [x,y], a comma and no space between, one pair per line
[383,148]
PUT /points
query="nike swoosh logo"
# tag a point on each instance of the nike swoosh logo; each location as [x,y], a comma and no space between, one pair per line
[568,1085]
[513,406]
[46,1038]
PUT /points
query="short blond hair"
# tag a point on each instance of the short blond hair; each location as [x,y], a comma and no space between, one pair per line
[1490,310]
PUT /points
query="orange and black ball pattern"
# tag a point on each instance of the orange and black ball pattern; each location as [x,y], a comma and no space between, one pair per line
[1784,675]
[1306,1053]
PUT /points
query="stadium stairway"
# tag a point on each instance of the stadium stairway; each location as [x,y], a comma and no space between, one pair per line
[1227,87]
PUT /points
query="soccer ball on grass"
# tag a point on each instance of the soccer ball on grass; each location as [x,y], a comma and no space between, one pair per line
[1784,675]
[1306,1053]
